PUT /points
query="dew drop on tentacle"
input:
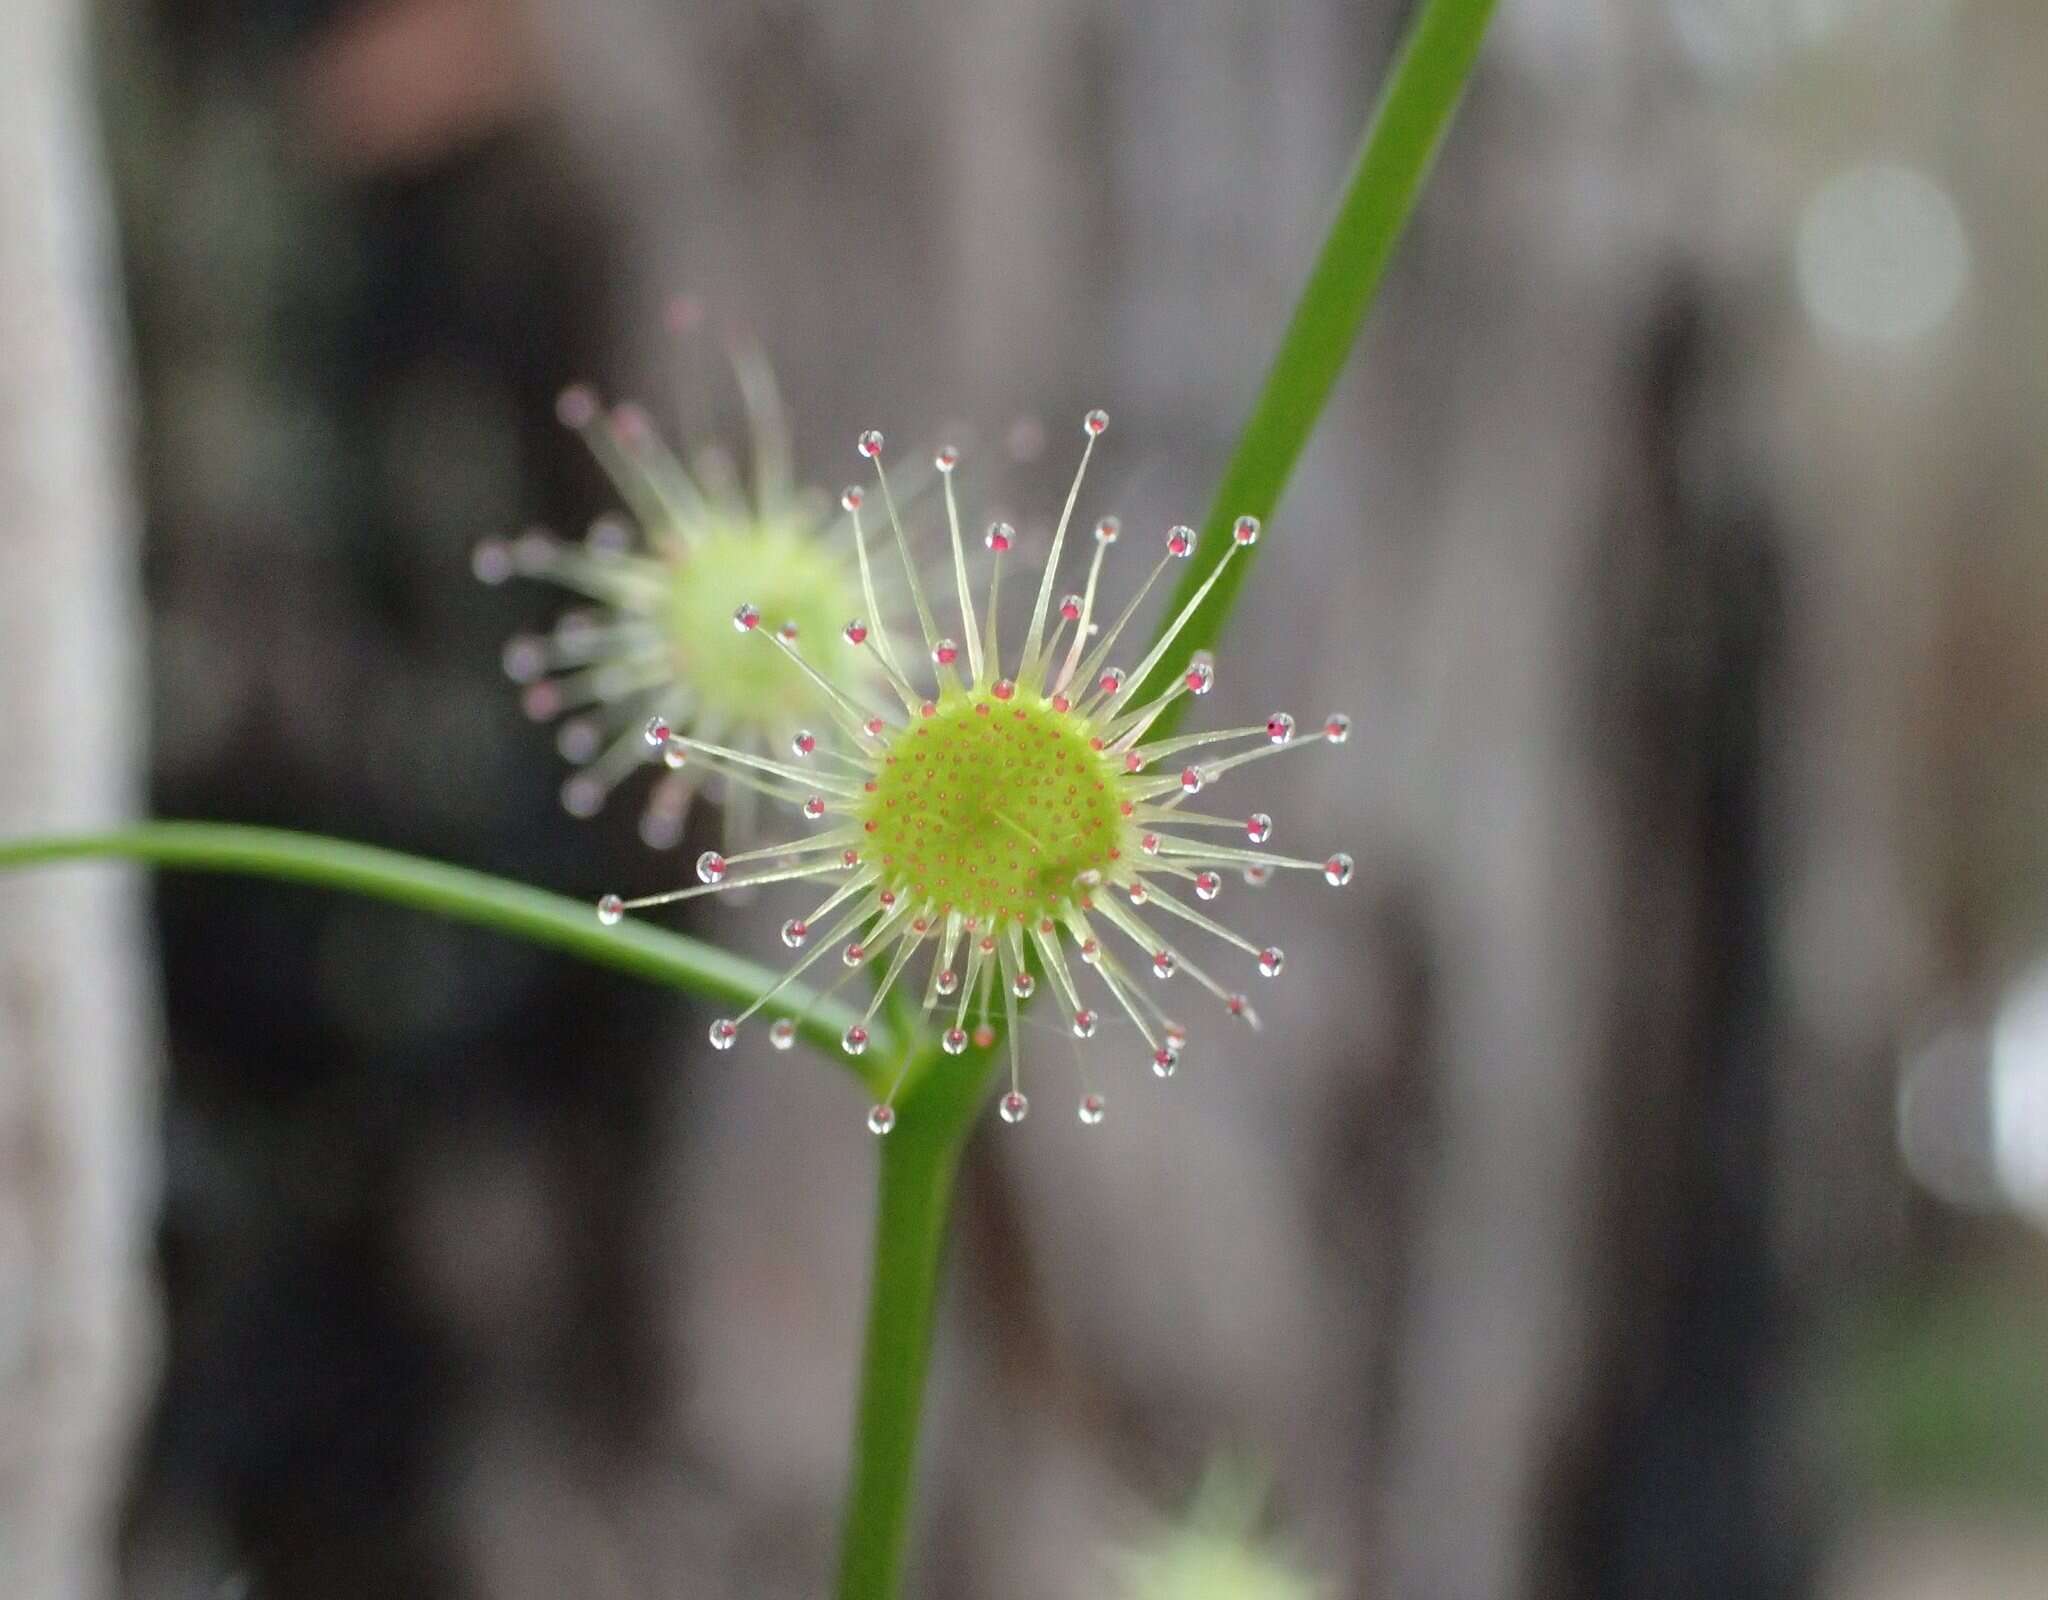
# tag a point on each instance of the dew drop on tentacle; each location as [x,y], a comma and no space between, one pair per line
[746,618]
[1271,960]
[856,632]
[1107,529]
[814,807]
[724,1033]
[1000,537]
[1338,869]
[1165,1062]
[854,954]
[881,1119]
[657,731]
[794,932]
[947,458]
[1208,885]
[1091,1109]
[851,498]
[1095,422]
[1023,985]
[954,1042]
[1245,530]
[1336,727]
[948,981]
[1258,827]
[582,796]
[1163,963]
[1085,1023]
[676,755]
[711,867]
[609,536]
[782,1033]
[1201,673]
[870,443]
[1091,952]
[854,1040]
[1192,779]
[579,739]
[661,828]
[610,909]
[525,658]
[945,652]
[1180,541]
[1070,608]
[491,561]
[1014,1107]
[1111,681]
[1280,727]
[576,406]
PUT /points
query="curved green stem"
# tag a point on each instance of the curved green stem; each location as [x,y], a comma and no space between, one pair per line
[1408,124]
[453,892]
[918,1162]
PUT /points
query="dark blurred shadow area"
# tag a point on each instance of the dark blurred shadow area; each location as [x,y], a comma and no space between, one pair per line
[1638,1189]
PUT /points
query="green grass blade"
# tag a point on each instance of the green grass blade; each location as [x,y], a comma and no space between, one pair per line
[455,892]
[1408,125]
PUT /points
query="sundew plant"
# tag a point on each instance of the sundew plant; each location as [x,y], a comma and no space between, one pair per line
[649,629]
[990,817]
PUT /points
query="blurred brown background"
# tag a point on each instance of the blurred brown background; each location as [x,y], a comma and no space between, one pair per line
[1677,541]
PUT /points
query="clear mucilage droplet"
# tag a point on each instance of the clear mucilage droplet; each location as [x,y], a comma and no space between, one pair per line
[711,867]
[1271,960]
[1338,869]
[1092,1108]
[870,443]
[881,1119]
[610,909]
[782,1033]
[854,1040]
[1014,1107]
[724,1033]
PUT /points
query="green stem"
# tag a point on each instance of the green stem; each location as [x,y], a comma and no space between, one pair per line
[453,892]
[917,1164]
[919,1159]
[1422,91]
